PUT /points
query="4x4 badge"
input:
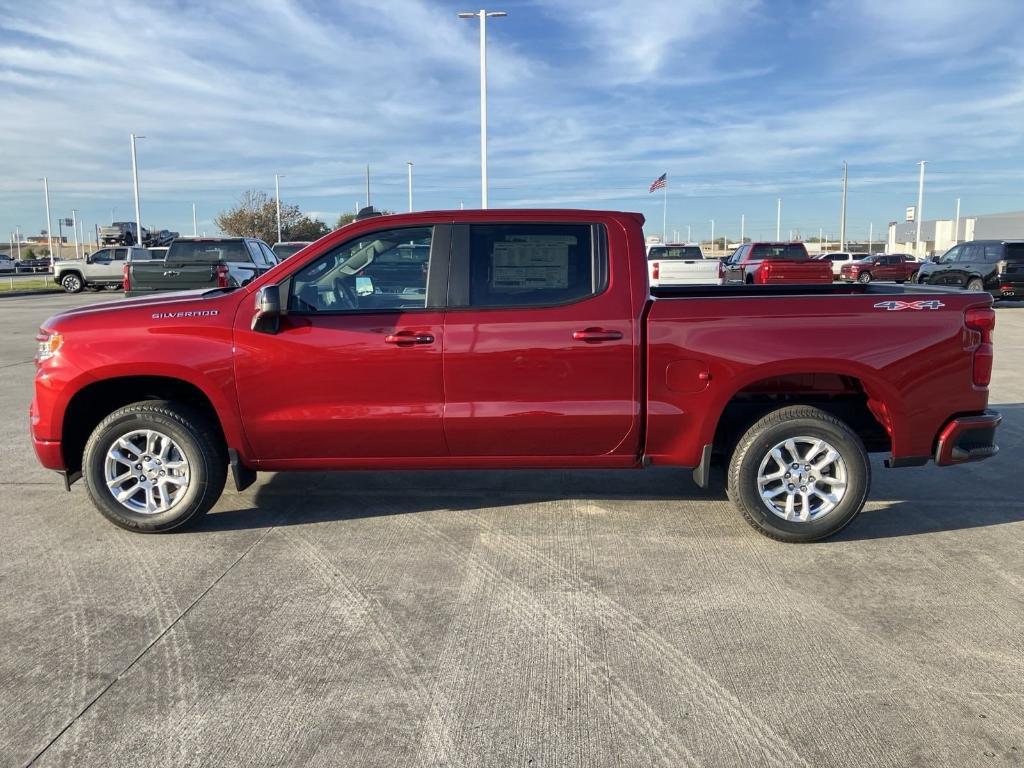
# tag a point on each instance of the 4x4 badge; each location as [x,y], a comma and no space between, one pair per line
[897,306]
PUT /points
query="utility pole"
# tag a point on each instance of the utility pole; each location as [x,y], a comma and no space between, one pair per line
[195,229]
[277,200]
[920,209]
[842,212]
[135,184]
[483,15]
[956,232]
[49,232]
[778,221]
[409,164]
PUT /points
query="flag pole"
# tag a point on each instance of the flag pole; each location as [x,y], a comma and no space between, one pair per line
[664,212]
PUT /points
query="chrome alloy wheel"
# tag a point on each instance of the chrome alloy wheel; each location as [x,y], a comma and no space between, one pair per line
[802,479]
[146,472]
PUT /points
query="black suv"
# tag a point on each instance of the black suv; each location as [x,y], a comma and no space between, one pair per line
[996,266]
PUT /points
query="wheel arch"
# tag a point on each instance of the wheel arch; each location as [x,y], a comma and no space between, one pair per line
[97,399]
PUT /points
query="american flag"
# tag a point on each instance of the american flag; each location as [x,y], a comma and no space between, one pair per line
[658,183]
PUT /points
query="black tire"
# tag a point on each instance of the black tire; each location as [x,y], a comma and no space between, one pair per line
[72,282]
[915,278]
[199,442]
[864,277]
[778,426]
[975,284]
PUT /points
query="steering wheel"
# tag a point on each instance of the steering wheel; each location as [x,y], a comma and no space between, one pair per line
[347,296]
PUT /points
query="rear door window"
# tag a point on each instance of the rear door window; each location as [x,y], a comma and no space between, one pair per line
[209,251]
[534,265]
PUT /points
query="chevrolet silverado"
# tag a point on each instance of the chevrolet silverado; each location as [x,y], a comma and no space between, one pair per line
[508,339]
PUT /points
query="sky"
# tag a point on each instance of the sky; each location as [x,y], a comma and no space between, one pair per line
[740,102]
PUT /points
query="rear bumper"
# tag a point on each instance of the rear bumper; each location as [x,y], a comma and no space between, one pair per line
[1008,286]
[967,438]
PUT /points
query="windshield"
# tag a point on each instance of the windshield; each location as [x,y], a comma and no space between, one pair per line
[284,250]
[668,252]
[779,252]
[209,250]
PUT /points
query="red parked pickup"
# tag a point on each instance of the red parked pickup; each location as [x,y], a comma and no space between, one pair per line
[890,266]
[498,339]
[775,263]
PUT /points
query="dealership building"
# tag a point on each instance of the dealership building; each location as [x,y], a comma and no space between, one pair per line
[938,235]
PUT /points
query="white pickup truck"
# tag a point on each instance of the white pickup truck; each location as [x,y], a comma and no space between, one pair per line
[101,269]
[681,264]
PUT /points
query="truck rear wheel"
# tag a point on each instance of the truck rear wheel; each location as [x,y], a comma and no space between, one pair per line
[154,466]
[799,474]
[865,277]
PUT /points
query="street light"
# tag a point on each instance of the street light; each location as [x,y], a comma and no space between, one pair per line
[17,235]
[778,221]
[277,198]
[920,208]
[195,229]
[49,232]
[74,229]
[135,184]
[483,15]
[712,235]
[409,164]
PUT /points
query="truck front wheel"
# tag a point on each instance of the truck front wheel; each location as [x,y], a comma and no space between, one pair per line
[72,283]
[154,466]
[799,474]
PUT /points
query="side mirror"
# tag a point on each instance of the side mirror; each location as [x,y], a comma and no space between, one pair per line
[935,259]
[268,310]
[88,258]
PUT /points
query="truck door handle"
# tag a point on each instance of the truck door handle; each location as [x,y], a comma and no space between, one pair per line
[408,338]
[596,335]
[171,273]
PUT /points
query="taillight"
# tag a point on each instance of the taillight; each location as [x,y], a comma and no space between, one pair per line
[761,273]
[721,270]
[222,275]
[981,321]
[656,270]
[126,278]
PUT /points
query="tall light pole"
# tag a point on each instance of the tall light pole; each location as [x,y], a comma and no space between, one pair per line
[842,213]
[367,185]
[17,236]
[409,164]
[743,227]
[135,184]
[871,237]
[689,239]
[956,232]
[195,229]
[483,15]
[277,199]
[778,221]
[74,229]
[712,235]
[920,208]
[49,232]
[81,235]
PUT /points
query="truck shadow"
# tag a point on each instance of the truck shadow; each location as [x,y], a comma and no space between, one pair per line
[917,501]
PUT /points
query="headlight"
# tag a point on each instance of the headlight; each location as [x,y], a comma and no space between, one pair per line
[49,342]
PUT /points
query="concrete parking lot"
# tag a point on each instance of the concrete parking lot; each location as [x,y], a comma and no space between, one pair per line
[511,618]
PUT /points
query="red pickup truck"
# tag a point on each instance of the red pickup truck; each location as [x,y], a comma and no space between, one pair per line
[775,263]
[496,339]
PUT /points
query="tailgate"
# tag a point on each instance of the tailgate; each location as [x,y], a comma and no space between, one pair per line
[151,277]
[786,271]
[685,271]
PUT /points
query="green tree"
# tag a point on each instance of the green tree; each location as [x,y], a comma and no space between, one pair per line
[255,215]
[305,229]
